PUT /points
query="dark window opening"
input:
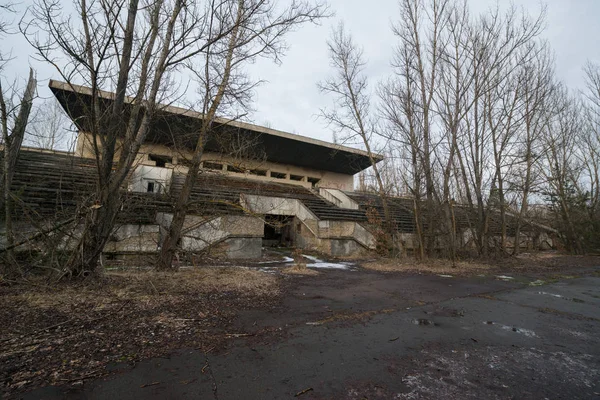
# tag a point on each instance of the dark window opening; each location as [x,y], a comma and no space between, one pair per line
[213,166]
[278,175]
[161,161]
[233,168]
[314,181]
[150,188]
[259,172]
[296,177]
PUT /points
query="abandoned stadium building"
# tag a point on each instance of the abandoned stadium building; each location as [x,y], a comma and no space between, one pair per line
[258,187]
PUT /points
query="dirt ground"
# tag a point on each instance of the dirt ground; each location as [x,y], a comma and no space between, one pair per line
[52,335]
[71,334]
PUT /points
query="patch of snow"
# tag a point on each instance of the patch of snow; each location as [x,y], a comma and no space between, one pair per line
[539,282]
[504,277]
[329,265]
[311,258]
[317,263]
[284,261]
[446,276]
[552,294]
[526,332]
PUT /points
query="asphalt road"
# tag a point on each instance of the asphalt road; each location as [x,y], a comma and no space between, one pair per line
[364,335]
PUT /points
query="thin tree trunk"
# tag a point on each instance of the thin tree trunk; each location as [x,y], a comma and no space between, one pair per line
[171,240]
[12,148]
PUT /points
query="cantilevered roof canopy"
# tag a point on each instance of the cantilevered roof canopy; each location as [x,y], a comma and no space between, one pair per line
[179,127]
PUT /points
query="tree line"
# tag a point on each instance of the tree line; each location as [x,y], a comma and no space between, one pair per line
[474,115]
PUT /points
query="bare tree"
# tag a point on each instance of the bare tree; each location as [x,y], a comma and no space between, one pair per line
[12,138]
[254,28]
[49,128]
[351,118]
[591,153]
[129,48]
[15,108]
[537,83]
[563,165]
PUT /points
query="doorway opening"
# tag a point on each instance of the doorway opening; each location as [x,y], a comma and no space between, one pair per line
[278,231]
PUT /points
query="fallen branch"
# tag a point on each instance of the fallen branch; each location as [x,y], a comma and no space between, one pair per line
[303,392]
[150,384]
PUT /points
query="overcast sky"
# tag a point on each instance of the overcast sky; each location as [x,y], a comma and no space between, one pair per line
[290,101]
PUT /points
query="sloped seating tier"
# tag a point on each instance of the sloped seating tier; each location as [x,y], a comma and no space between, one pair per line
[51,185]
[400,209]
[218,193]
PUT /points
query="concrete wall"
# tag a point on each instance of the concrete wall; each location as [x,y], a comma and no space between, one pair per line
[338,198]
[199,233]
[276,206]
[240,248]
[345,248]
[134,238]
[146,173]
[327,179]
[346,229]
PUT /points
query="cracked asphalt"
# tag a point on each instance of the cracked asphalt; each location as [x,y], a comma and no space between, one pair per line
[368,335]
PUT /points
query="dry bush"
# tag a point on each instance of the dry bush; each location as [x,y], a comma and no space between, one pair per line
[299,269]
[550,261]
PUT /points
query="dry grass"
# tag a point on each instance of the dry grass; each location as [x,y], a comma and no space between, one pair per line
[206,279]
[147,286]
[433,266]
